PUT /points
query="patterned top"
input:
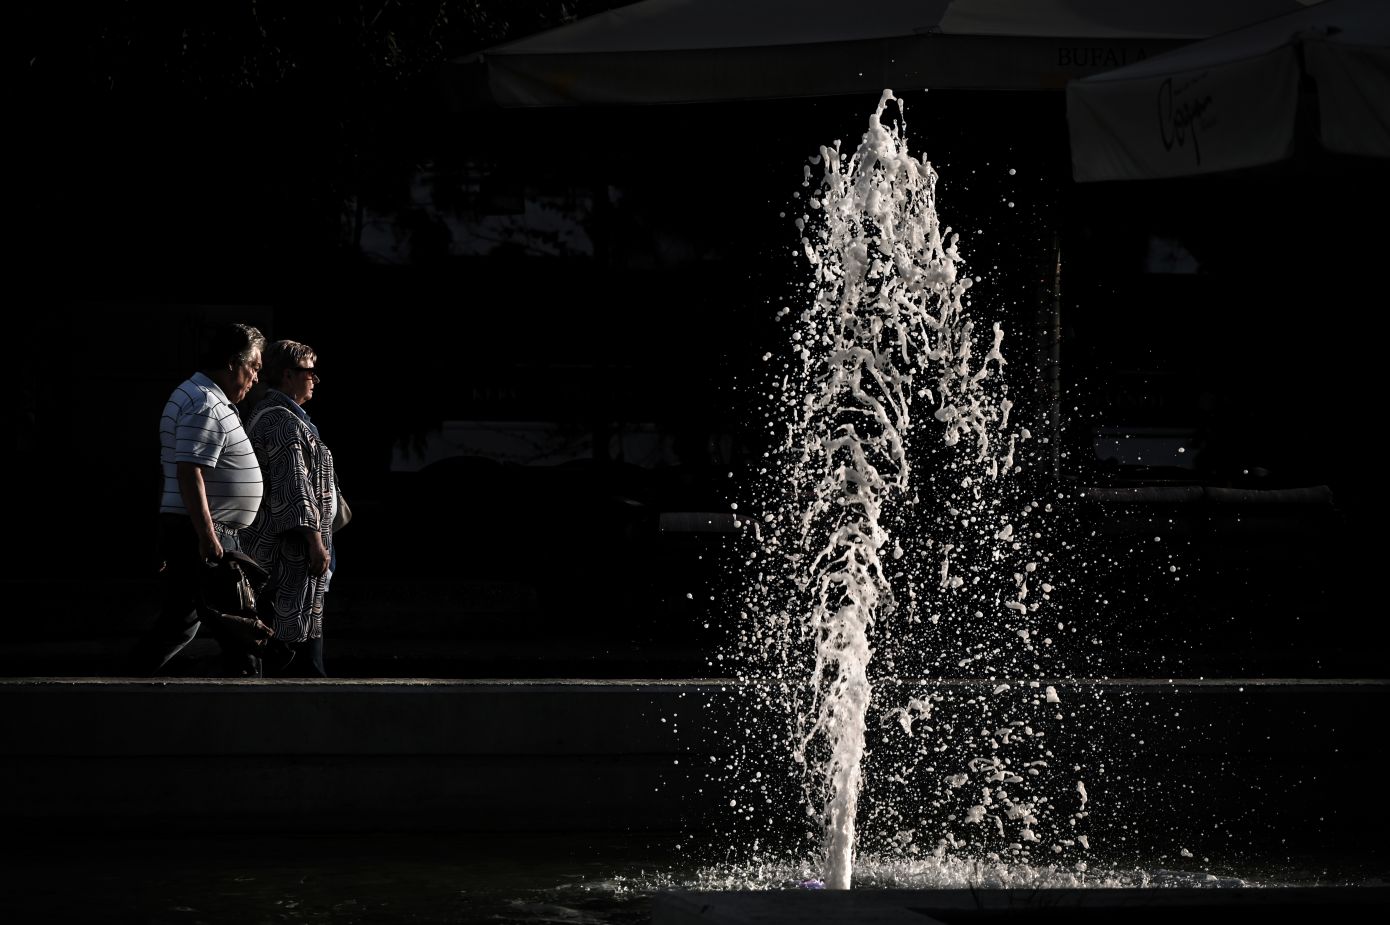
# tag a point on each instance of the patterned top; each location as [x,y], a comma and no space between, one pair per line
[200,425]
[302,493]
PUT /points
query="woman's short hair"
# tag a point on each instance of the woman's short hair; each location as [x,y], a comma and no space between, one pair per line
[283,355]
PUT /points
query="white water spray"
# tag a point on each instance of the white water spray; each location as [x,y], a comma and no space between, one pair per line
[885,328]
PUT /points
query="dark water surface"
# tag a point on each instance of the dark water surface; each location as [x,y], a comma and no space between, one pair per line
[385,879]
[600,879]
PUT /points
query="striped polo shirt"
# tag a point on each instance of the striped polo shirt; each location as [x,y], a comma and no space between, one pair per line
[201,426]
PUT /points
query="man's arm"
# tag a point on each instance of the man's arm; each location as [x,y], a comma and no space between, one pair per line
[195,501]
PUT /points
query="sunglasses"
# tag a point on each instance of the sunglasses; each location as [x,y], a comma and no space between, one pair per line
[311,370]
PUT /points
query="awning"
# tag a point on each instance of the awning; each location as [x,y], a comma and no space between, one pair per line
[1230,101]
[677,51]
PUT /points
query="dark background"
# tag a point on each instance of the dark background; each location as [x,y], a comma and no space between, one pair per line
[325,176]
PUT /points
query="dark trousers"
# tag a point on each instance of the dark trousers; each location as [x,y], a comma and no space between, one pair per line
[308,661]
[182,606]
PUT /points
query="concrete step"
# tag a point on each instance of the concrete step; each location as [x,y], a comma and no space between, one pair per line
[1214,762]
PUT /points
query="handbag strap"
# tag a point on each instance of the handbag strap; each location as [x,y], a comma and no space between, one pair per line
[338,501]
[257,416]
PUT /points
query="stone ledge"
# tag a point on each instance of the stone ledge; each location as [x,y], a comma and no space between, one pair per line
[1251,757]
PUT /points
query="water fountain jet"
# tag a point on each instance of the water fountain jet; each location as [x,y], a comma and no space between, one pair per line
[886,327]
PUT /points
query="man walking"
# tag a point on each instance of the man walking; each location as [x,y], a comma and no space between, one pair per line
[212,489]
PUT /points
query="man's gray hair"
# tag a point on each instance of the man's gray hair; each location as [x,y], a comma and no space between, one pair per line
[232,345]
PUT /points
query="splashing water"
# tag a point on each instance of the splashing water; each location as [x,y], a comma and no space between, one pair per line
[857,545]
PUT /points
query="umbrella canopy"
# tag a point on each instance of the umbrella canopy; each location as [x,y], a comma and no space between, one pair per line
[1230,101]
[676,51]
